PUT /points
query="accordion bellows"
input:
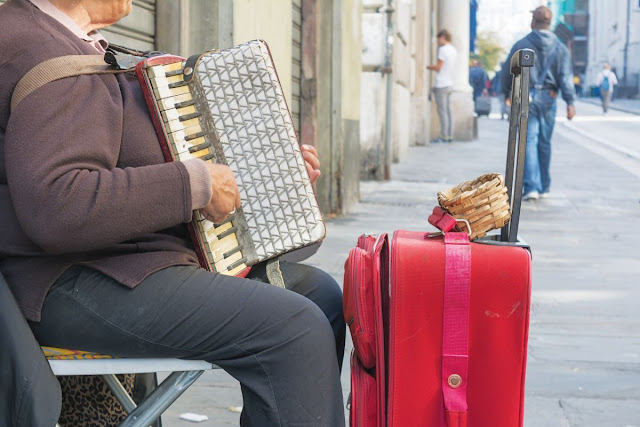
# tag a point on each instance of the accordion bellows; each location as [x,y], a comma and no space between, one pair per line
[228,107]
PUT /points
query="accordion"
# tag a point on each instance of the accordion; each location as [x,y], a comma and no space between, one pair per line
[228,107]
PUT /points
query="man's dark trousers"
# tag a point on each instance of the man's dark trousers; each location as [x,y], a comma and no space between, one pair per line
[285,348]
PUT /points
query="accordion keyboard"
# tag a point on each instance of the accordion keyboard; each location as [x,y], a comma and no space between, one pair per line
[185,135]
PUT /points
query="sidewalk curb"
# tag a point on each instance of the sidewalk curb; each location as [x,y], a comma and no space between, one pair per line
[596,101]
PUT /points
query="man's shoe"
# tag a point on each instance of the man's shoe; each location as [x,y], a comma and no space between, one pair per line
[531,195]
[448,139]
[544,195]
[437,141]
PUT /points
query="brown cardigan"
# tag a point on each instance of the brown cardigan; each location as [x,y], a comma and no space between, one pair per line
[82,176]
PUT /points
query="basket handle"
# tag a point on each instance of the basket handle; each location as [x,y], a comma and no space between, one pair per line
[520,65]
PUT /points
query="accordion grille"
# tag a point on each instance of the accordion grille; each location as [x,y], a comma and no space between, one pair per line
[251,120]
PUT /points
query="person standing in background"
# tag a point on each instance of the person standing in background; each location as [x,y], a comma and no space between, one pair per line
[496,90]
[606,82]
[552,72]
[478,79]
[443,87]
[577,83]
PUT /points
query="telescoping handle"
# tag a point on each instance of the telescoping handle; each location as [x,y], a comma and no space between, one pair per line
[520,65]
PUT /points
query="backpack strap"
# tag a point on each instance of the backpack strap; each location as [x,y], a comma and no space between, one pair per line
[60,68]
[547,66]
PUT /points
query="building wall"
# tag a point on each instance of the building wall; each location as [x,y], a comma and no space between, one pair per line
[372,91]
[420,49]
[413,117]
[351,75]
[403,70]
[608,37]
[189,27]
[329,115]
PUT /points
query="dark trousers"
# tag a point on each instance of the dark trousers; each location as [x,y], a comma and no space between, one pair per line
[29,392]
[284,346]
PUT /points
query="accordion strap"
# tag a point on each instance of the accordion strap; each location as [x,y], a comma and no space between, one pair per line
[59,68]
[274,274]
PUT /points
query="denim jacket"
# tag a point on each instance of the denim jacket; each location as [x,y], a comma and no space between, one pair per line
[560,75]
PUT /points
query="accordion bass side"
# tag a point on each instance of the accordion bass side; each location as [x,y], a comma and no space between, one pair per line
[228,107]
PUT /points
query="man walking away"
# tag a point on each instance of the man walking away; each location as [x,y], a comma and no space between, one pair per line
[443,87]
[551,73]
[606,81]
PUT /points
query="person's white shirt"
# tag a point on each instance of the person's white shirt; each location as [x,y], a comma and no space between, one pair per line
[447,54]
[613,80]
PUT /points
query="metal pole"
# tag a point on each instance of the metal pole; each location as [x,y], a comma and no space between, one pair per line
[119,392]
[626,46]
[387,69]
[161,398]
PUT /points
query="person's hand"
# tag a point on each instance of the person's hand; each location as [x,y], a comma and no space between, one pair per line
[507,102]
[310,156]
[226,198]
[571,111]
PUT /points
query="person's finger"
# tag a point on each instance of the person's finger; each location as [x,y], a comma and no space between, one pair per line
[313,173]
[210,217]
[310,148]
[238,200]
[309,158]
[313,176]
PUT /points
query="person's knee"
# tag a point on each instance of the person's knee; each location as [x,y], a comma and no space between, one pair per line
[315,330]
[329,286]
[328,295]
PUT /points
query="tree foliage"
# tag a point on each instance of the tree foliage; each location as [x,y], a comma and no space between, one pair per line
[489,51]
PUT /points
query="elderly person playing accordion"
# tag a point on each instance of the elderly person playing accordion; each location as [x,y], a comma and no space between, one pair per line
[95,246]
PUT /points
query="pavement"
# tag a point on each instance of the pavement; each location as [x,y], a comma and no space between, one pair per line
[631,106]
[584,345]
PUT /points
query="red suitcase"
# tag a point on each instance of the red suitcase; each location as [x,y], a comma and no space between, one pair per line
[457,348]
[440,325]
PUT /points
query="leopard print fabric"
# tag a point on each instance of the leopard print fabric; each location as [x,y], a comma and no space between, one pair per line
[87,401]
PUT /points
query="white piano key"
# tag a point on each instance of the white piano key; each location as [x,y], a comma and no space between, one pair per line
[170,103]
[161,70]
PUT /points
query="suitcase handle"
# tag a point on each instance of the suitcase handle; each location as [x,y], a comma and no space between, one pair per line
[520,65]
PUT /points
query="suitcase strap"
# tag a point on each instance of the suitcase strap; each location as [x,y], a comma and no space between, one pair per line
[455,327]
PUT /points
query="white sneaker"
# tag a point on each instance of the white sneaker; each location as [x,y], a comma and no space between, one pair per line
[544,195]
[531,195]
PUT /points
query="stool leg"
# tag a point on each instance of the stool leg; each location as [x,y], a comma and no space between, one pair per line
[161,398]
[119,392]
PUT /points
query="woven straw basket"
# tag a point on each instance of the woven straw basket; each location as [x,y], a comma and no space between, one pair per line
[483,202]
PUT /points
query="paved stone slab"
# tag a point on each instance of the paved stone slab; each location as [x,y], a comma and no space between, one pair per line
[601,412]
[544,411]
